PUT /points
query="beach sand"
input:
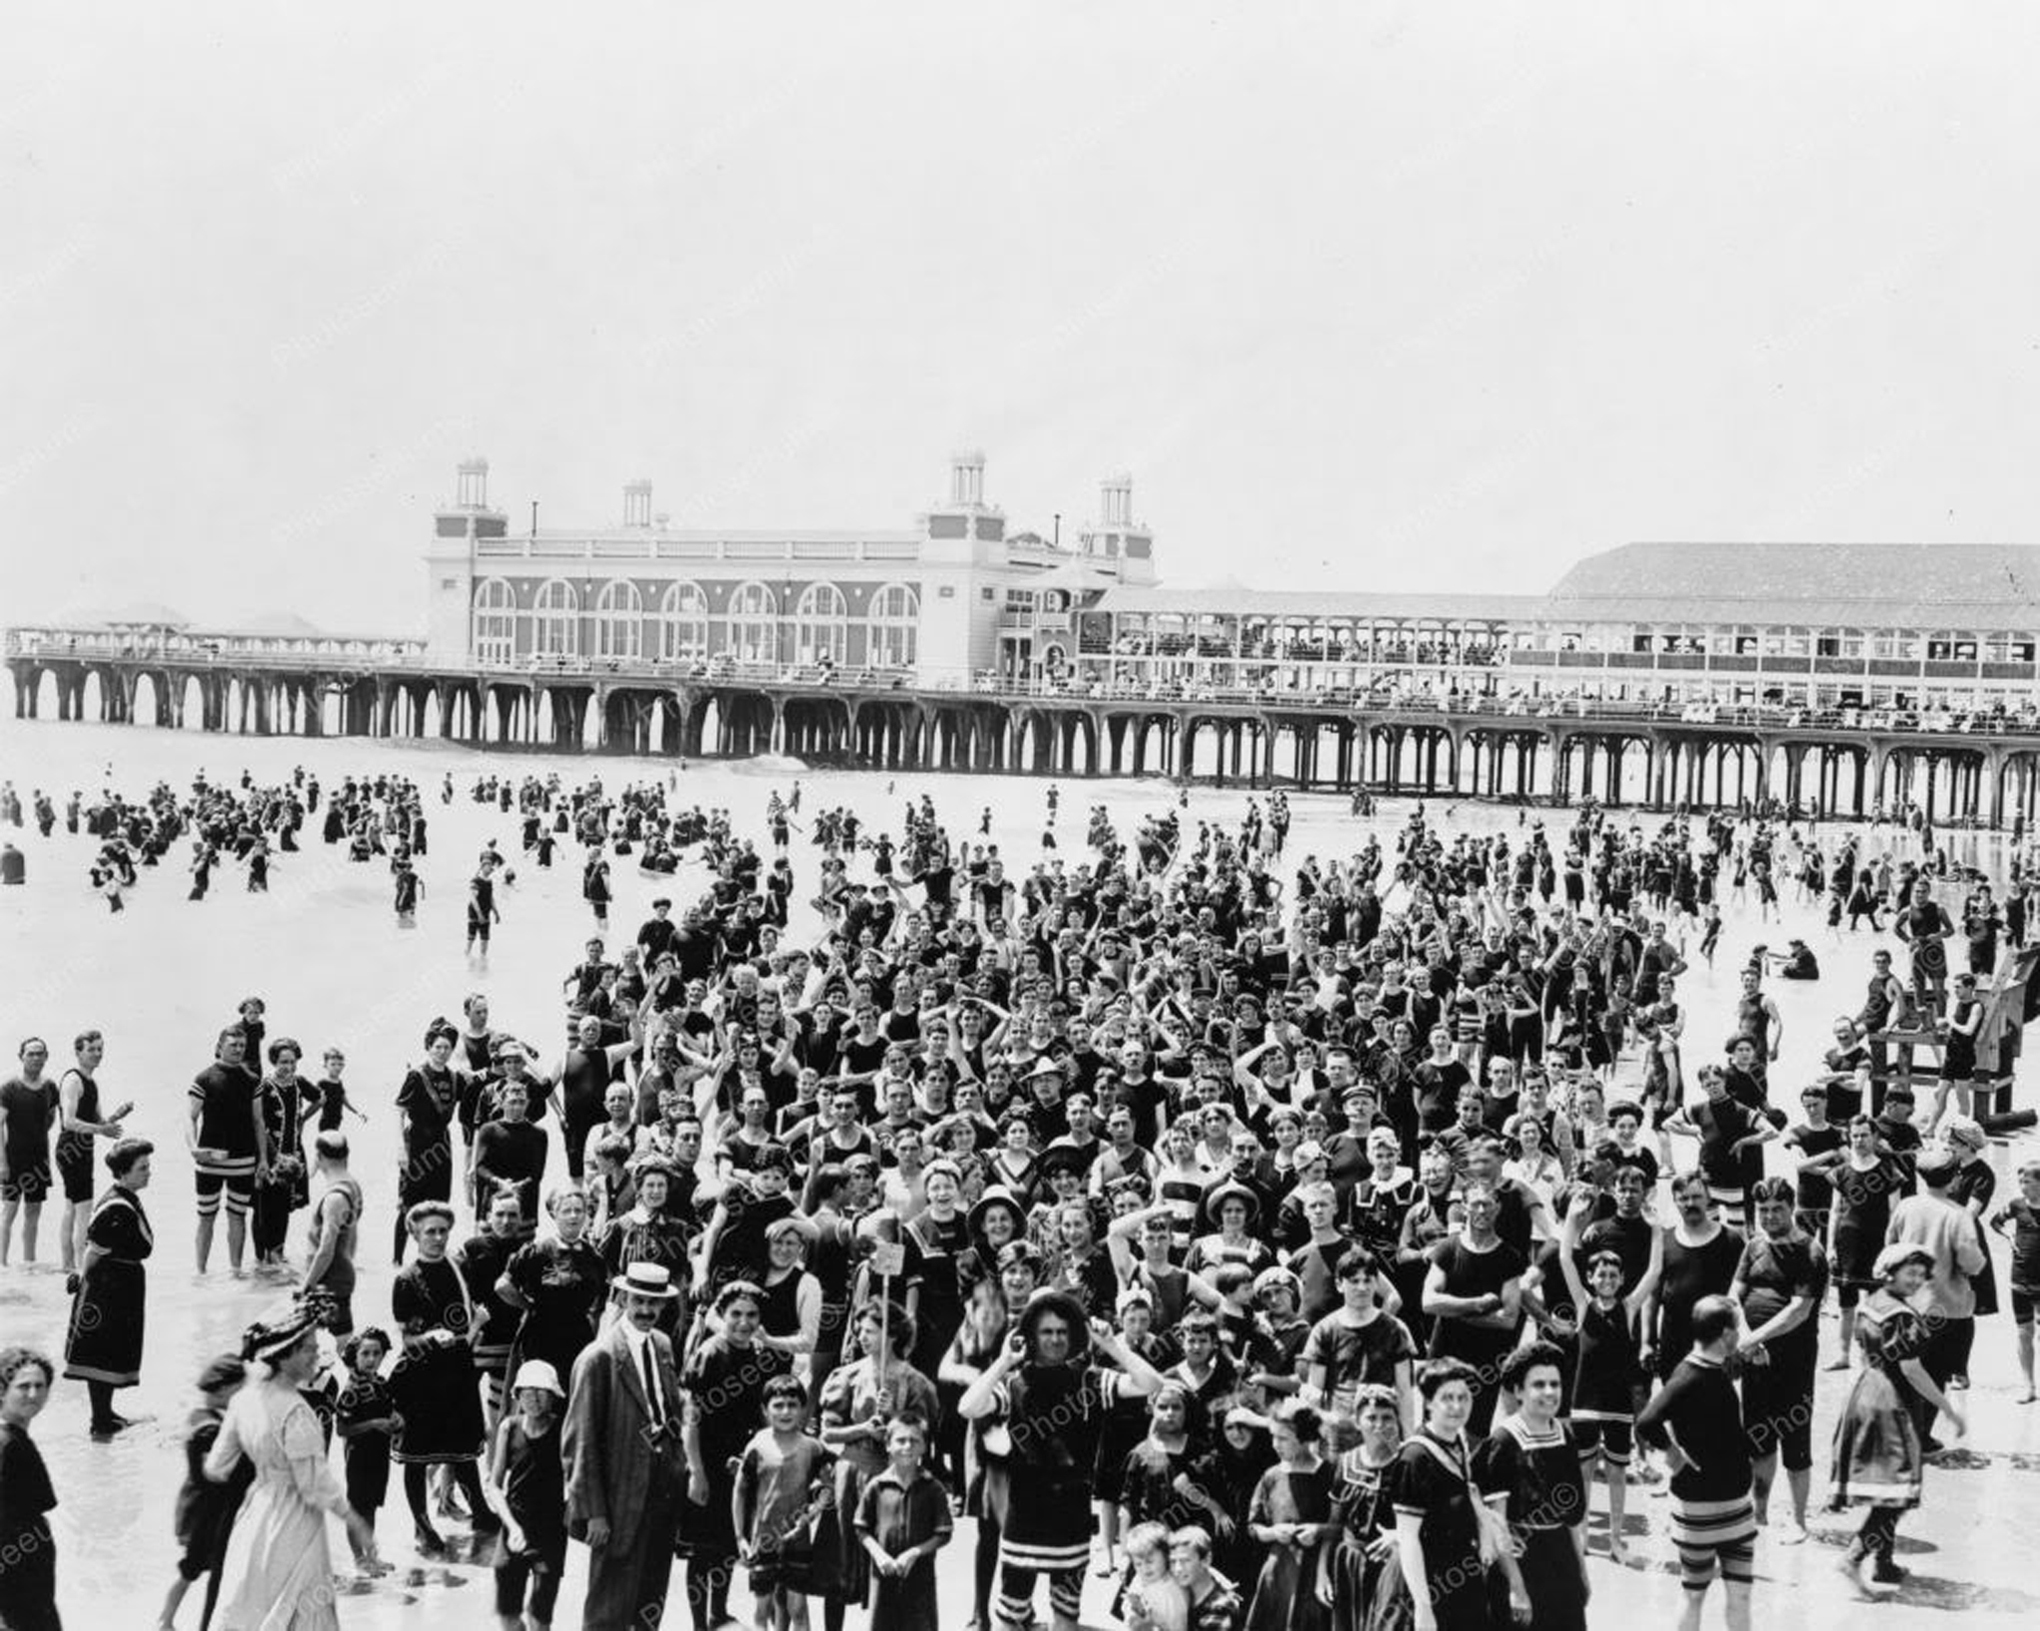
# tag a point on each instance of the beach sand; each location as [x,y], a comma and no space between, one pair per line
[322,948]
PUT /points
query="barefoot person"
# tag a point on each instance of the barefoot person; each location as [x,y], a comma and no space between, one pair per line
[81,1121]
[1879,1454]
[28,1111]
[1054,1400]
[104,1347]
[2023,1214]
[1696,1419]
[1779,1285]
[336,1223]
[278,1571]
[229,1144]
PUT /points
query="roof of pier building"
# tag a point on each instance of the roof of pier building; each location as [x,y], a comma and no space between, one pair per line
[1355,607]
[1904,586]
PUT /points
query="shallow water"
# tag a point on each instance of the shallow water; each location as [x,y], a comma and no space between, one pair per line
[322,948]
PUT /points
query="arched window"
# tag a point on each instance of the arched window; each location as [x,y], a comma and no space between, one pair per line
[895,627]
[753,619]
[683,624]
[555,611]
[619,621]
[495,621]
[821,624]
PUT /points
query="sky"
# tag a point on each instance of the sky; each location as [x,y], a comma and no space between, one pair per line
[1402,296]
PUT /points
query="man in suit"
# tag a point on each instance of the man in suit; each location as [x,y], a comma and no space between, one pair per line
[625,1458]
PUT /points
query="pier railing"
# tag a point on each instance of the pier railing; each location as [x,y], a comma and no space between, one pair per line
[406,658]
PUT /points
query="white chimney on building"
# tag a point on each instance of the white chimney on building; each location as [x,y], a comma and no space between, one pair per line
[637,503]
[967,479]
[473,491]
[1115,504]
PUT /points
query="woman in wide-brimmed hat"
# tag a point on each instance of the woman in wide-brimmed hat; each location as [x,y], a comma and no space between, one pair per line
[648,1233]
[1230,1211]
[1879,1459]
[996,1218]
[277,1569]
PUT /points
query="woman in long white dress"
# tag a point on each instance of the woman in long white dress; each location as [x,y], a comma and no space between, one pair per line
[278,1573]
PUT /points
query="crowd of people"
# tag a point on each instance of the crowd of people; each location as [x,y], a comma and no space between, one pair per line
[1291,1251]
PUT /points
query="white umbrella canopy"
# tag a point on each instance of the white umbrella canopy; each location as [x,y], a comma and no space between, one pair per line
[276,623]
[140,614]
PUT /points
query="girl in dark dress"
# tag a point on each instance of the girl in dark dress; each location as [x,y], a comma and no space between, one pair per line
[103,1348]
[205,1510]
[1878,1459]
[1865,1178]
[1362,1578]
[648,1233]
[28,1555]
[426,1104]
[433,1385]
[1443,1544]
[857,1401]
[1127,1428]
[1529,1472]
[1291,1516]
[561,1286]
[287,1186]
[1222,1483]
[527,1482]
[724,1381]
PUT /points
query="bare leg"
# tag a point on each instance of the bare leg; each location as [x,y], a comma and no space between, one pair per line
[2026,1361]
[1108,1534]
[1841,1359]
[237,1239]
[205,1234]
[31,1224]
[1763,1471]
[7,1215]
[1618,1507]
[1800,1482]
[77,1215]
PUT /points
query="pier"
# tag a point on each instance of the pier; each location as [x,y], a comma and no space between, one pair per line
[1466,745]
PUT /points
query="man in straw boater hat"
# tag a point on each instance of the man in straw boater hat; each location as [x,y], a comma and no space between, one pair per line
[1053,1401]
[624,1457]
